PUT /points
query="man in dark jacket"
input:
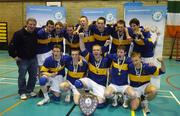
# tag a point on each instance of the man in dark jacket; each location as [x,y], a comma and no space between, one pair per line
[23,49]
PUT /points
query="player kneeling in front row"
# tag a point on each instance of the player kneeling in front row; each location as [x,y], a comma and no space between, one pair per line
[53,72]
[139,76]
[76,69]
[119,78]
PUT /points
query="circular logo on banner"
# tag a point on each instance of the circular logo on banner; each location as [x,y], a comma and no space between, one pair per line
[88,103]
[157,16]
[58,15]
[109,17]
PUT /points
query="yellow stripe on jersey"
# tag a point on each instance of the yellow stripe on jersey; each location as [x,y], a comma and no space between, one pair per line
[156,73]
[101,38]
[74,45]
[76,74]
[44,69]
[98,71]
[44,41]
[142,78]
[56,39]
[88,39]
[120,42]
[139,41]
[87,57]
[56,69]
[121,67]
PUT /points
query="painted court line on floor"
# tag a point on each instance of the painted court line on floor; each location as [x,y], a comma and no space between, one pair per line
[174,97]
[133,113]
[7,96]
[11,107]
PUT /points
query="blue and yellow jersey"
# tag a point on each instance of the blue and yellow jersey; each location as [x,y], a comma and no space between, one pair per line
[57,38]
[72,41]
[143,75]
[119,71]
[97,73]
[74,74]
[119,39]
[88,40]
[101,37]
[139,43]
[148,49]
[52,66]
[44,39]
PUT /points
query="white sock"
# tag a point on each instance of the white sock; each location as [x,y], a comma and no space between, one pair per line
[46,96]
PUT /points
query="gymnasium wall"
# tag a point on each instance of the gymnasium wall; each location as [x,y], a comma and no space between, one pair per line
[15,12]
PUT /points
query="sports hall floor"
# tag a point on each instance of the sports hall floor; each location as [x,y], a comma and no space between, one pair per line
[167,102]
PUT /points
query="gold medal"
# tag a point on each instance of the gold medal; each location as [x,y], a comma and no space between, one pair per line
[119,73]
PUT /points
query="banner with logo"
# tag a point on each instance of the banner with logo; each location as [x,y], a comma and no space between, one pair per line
[44,13]
[93,13]
[152,17]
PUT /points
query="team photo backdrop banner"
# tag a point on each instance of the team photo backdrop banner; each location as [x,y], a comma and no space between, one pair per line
[93,13]
[152,17]
[44,13]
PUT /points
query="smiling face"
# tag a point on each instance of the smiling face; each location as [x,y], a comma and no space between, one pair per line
[120,27]
[136,59]
[31,26]
[75,55]
[120,53]
[97,51]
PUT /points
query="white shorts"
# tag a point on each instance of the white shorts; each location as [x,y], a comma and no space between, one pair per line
[54,83]
[155,80]
[97,89]
[140,90]
[120,89]
[41,57]
[73,88]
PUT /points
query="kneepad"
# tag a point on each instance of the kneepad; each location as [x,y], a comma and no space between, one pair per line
[78,84]
[42,81]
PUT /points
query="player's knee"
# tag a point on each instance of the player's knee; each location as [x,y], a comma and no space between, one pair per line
[134,104]
[151,90]
[78,84]
[107,94]
[42,81]
[132,95]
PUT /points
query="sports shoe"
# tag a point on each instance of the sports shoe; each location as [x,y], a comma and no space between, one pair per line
[23,96]
[120,99]
[32,94]
[44,101]
[68,98]
[144,105]
[125,104]
[114,100]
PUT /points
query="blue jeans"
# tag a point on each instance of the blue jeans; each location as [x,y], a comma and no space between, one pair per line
[25,66]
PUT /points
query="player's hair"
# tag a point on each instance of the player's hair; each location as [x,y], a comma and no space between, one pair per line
[84,17]
[102,18]
[121,22]
[59,23]
[135,21]
[97,45]
[120,47]
[31,19]
[49,22]
[134,54]
[57,46]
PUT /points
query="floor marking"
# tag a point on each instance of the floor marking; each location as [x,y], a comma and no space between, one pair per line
[133,113]
[7,72]
[1,79]
[165,96]
[8,83]
[11,107]
[9,78]
[167,91]
[7,96]
[174,97]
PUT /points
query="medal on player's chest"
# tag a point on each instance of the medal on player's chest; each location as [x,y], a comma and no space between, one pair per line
[138,71]
[120,35]
[97,64]
[75,67]
[120,65]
